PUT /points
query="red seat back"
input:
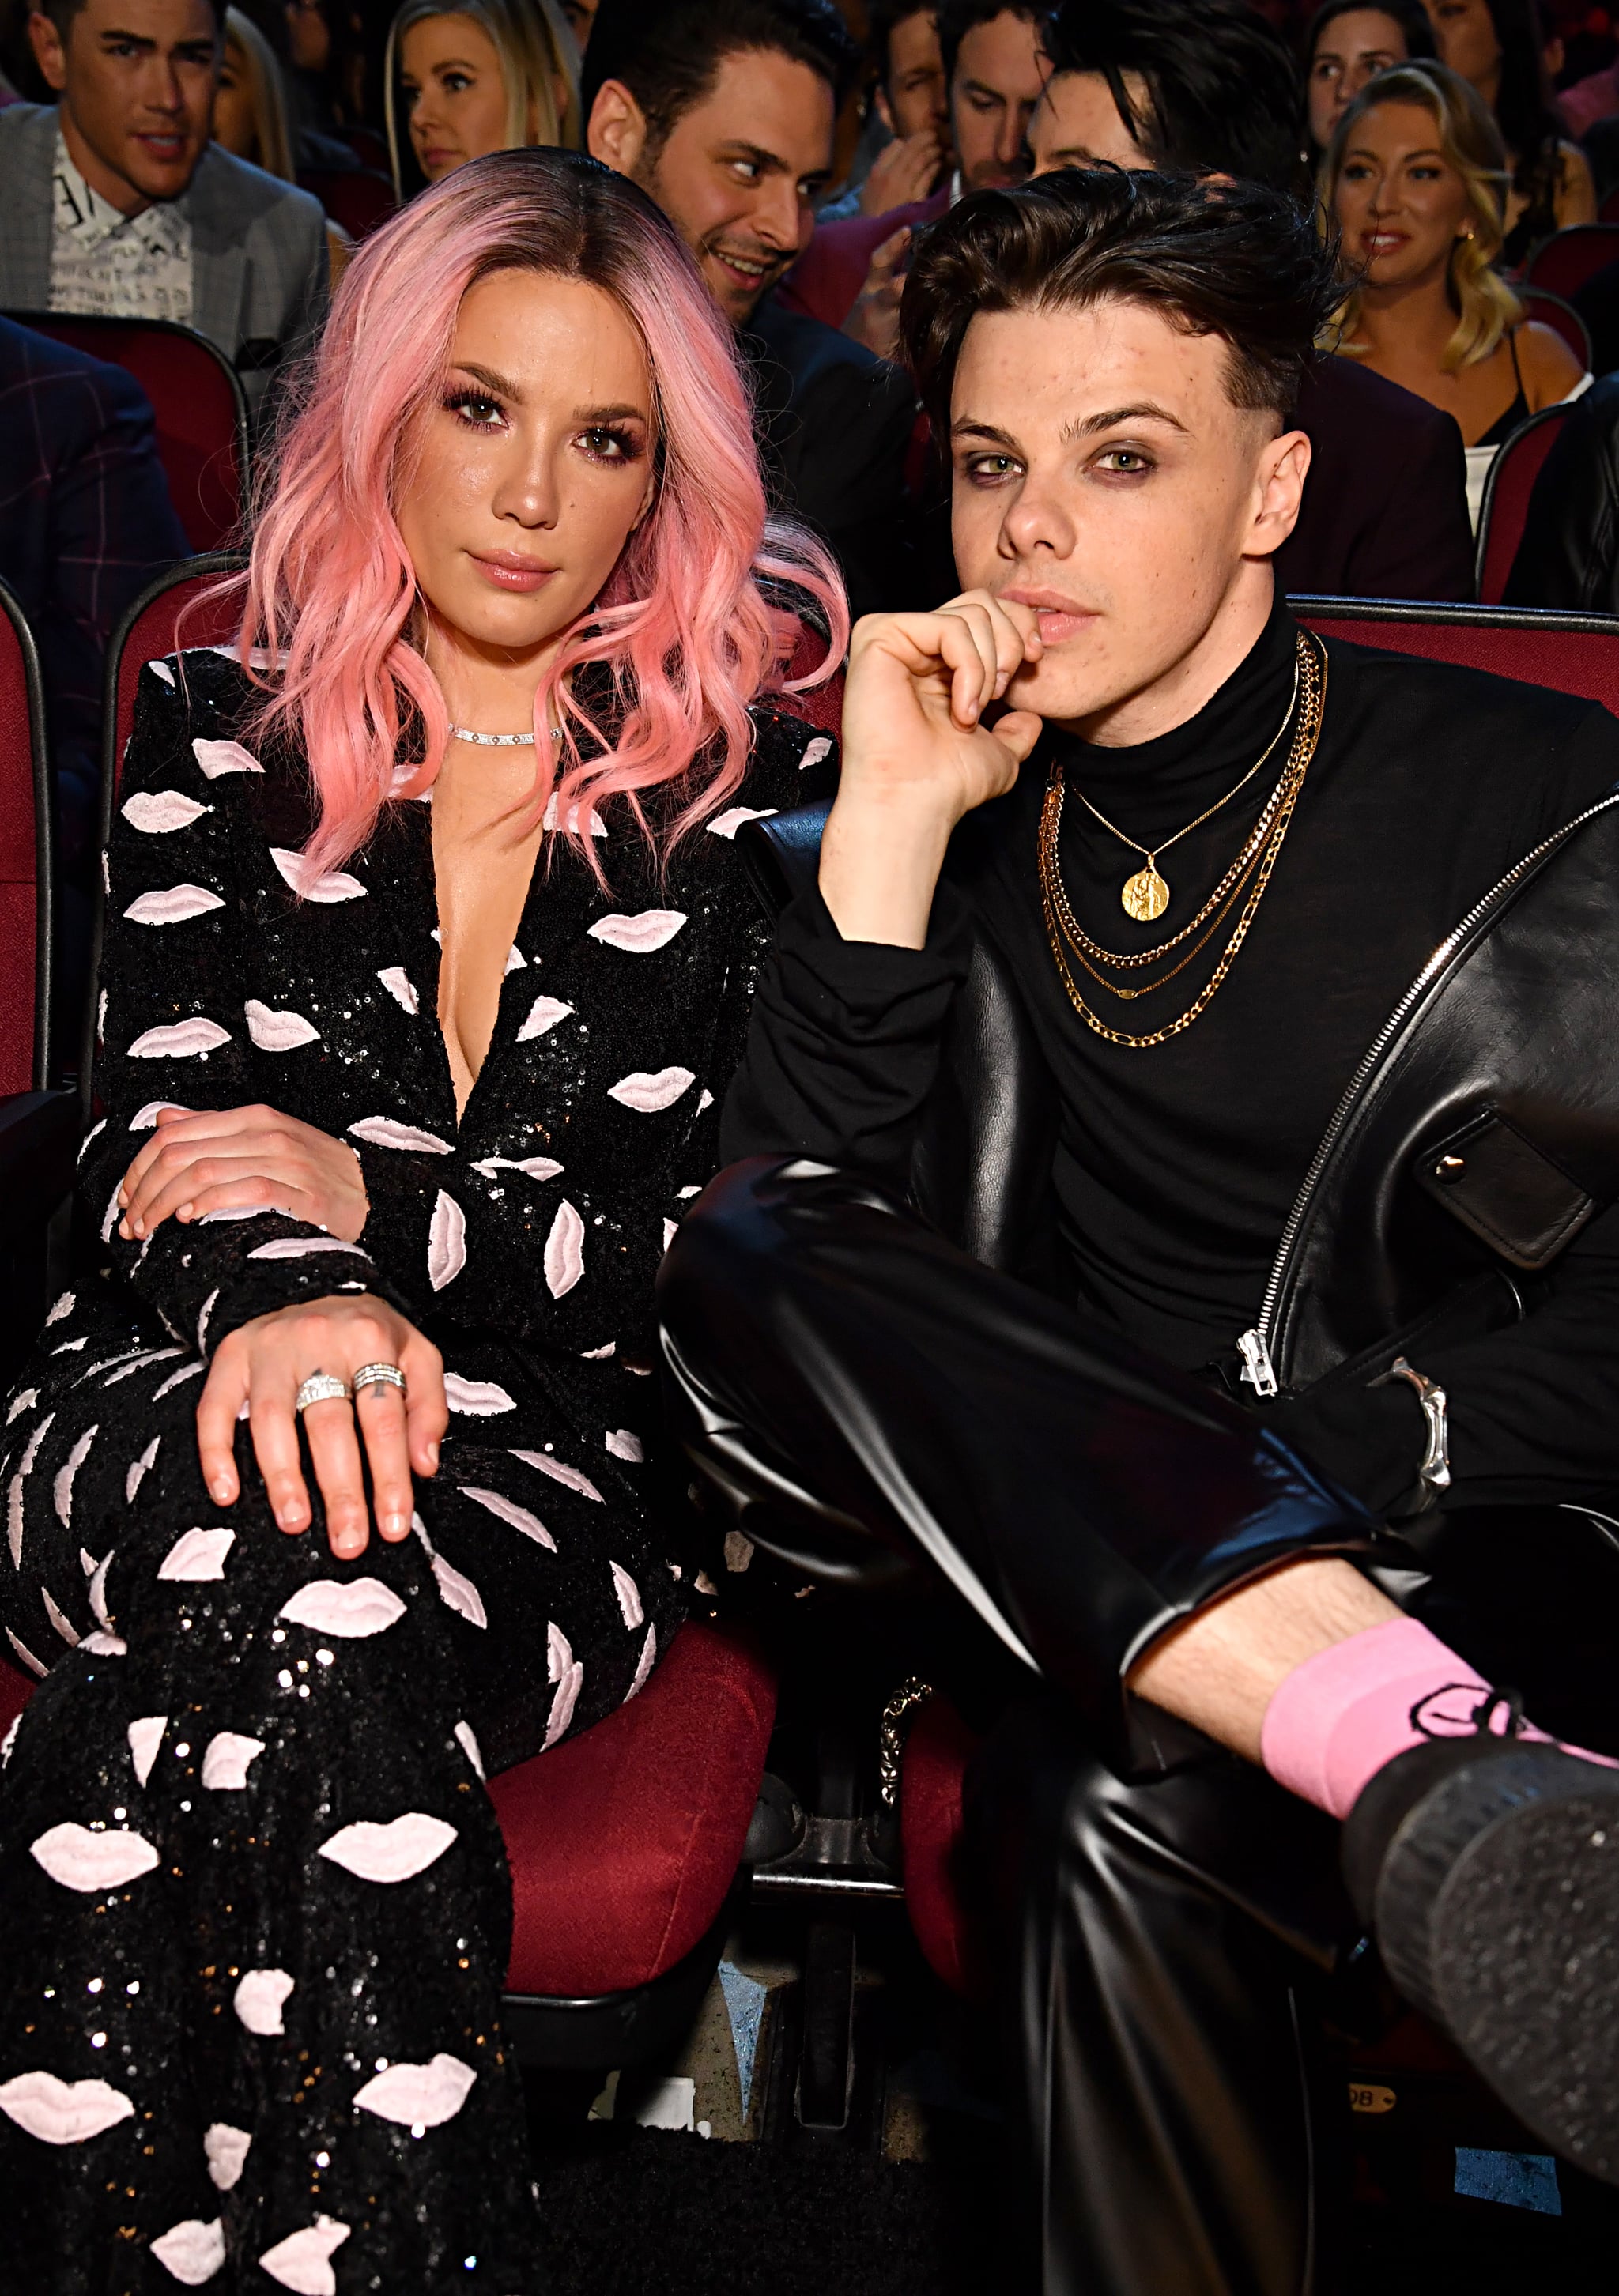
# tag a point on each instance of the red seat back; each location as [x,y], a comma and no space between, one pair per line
[1572,653]
[1562,318]
[1562,263]
[822,705]
[25,858]
[149,631]
[357,199]
[367,147]
[1506,491]
[201,414]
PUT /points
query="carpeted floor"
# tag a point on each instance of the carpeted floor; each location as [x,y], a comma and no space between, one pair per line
[643,2212]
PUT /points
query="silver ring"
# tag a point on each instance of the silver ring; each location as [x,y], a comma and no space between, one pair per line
[320,1386]
[379,1375]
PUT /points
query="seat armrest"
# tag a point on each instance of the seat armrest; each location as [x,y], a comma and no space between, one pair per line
[38,1140]
[783,853]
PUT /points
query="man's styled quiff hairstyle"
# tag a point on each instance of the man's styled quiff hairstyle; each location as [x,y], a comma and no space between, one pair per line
[668,53]
[1236,260]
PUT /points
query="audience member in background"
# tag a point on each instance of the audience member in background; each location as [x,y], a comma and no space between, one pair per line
[904,146]
[581,15]
[1568,557]
[250,116]
[852,273]
[488,76]
[1349,42]
[1415,178]
[1498,46]
[723,111]
[1144,83]
[326,65]
[116,201]
[86,522]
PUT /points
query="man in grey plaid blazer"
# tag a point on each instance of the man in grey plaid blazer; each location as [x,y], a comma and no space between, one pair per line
[258,267]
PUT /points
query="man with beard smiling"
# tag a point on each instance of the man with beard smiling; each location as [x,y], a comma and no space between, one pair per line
[723,111]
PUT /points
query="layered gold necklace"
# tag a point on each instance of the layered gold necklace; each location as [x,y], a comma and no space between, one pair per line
[1240,889]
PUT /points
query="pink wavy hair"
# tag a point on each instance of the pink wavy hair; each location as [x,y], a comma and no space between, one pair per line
[685,627]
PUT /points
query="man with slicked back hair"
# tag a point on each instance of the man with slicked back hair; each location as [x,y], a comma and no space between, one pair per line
[1145,84]
[723,111]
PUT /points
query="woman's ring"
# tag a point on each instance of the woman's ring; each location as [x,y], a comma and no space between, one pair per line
[379,1375]
[320,1386]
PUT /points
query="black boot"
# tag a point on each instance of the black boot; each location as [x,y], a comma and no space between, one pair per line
[1488,1868]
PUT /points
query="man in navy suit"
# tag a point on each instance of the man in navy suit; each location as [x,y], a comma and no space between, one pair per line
[86,522]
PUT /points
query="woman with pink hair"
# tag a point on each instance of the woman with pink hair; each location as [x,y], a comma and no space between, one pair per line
[428,958]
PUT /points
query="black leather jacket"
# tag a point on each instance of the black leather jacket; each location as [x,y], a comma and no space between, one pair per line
[1479,1135]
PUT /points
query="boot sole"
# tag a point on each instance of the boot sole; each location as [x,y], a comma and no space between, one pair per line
[1522,1961]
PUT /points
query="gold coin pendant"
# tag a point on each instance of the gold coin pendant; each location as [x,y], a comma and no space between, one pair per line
[1145,896]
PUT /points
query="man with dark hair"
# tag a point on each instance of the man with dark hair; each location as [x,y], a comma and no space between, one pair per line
[723,111]
[1145,84]
[851,274]
[906,144]
[116,202]
[1233,1008]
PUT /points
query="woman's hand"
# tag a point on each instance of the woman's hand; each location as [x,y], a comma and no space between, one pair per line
[242,1159]
[265,1362]
[918,755]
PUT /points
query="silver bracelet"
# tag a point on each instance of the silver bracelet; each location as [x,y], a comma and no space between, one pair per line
[1435,1472]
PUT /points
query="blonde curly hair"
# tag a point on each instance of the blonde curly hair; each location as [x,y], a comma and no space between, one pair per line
[1470,143]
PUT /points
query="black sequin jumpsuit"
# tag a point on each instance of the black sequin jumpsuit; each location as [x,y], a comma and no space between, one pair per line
[254,1910]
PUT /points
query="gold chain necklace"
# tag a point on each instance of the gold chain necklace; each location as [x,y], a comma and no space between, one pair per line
[1314,667]
[1145,896]
[1081,939]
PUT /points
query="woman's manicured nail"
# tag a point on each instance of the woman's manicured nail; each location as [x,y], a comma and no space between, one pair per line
[138,1225]
[222,1491]
[433,1457]
[396,1525]
[184,1212]
[123,1229]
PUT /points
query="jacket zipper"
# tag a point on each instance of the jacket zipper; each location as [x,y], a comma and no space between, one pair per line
[1253,1346]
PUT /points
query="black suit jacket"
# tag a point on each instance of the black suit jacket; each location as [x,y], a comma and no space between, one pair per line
[834,423]
[85,521]
[1385,505]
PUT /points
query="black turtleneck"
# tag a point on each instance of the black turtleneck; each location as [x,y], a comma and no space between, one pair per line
[1177,1166]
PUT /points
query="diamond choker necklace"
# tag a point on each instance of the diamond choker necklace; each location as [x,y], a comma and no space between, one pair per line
[500,741]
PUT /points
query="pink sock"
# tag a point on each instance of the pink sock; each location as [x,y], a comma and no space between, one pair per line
[1336,1719]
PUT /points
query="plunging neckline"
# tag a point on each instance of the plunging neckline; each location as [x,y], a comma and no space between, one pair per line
[498,1043]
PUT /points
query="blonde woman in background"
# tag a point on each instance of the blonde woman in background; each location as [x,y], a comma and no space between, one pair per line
[250,117]
[488,76]
[1415,177]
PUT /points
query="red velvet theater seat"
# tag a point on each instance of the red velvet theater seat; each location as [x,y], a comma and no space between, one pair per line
[1572,653]
[936,1755]
[197,398]
[624,1843]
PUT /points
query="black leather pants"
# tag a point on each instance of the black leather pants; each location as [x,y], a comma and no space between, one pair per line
[867,1398]
[1157,1949]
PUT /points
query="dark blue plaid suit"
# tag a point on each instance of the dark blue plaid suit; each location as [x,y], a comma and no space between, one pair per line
[85,521]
